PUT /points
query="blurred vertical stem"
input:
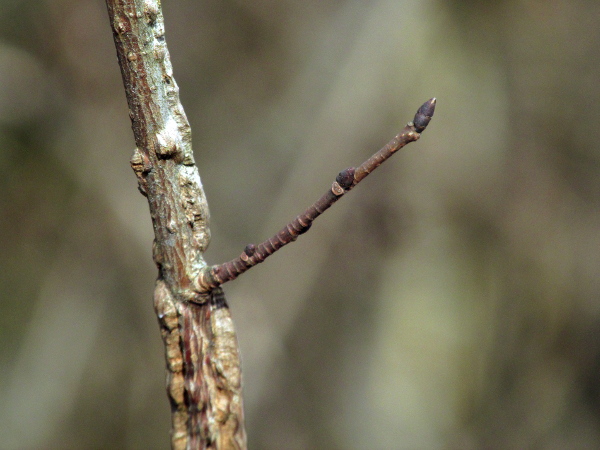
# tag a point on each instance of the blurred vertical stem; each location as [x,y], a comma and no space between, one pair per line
[203,365]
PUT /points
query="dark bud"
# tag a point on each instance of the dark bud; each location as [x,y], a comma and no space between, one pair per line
[424,115]
[345,178]
[250,250]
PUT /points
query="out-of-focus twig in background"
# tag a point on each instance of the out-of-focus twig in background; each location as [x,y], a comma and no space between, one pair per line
[451,301]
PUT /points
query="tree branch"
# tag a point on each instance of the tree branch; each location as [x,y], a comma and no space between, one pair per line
[211,277]
[203,365]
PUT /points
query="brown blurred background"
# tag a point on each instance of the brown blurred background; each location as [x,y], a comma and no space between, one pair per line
[451,301]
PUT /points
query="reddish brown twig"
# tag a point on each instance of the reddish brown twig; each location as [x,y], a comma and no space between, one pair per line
[211,277]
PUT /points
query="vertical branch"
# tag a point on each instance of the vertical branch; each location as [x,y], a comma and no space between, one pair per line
[203,365]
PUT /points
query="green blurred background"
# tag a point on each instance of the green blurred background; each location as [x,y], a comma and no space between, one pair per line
[451,301]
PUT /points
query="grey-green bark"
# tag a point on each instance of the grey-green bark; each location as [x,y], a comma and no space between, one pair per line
[203,366]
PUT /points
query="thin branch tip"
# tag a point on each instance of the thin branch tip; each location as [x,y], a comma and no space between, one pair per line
[347,179]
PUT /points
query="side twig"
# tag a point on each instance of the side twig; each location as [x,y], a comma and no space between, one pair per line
[211,277]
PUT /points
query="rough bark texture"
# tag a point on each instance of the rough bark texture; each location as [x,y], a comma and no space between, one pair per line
[203,366]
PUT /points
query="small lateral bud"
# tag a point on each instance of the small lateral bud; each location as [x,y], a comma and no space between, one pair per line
[345,178]
[250,250]
[424,115]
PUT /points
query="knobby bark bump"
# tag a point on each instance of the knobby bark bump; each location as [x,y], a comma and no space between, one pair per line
[203,362]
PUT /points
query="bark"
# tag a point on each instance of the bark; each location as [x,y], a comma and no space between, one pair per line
[203,365]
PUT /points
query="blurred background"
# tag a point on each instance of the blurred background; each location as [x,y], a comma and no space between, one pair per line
[450,301]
